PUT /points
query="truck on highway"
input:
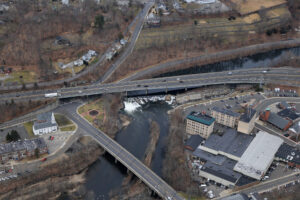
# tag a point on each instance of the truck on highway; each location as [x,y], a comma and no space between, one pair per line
[49,95]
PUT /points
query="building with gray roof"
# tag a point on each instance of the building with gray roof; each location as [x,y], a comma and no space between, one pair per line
[246,121]
[275,120]
[44,124]
[21,149]
[238,196]
[231,144]
[193,142]
[289,113]
[258,157]
[225,117]
[288,154]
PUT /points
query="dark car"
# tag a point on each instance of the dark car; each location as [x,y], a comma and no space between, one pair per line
[146,86]
[138,85]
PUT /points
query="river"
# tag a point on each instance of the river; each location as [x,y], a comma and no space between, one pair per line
[106,175]
[254,61]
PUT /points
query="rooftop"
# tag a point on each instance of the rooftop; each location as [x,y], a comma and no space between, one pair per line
[285,104]
[295,128]
[277,121]
[289,153]
[231,142]
[288,113]
[44,120]
[201,118]
[226,111]
[248,115]
[239,196]
[194,141]
[257,158]
[28,145]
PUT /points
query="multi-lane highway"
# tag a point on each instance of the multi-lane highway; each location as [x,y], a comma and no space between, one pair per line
[288,76]
[121,154]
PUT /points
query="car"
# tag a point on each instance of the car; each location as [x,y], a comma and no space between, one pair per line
[85,88]
[44,159]
[264,71]
[229,73]
[79,91]
[146,86]
[286,135]
[17,95]
[297,175]
[180,81]
[138,85]
[203,185]
[164,80]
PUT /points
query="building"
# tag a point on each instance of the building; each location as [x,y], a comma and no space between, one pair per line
[295,130]
[288,154]
[289,114]
[231,144]
[258,157]
[246,121]
[284,105]
[199,124]
[22,149]
[225,117]
[193,142]
[238,196]
[44,124]
[274,119]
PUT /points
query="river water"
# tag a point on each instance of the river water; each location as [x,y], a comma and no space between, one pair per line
[254,61]
[105,175]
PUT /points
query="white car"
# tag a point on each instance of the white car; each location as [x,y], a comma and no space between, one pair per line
[229,73]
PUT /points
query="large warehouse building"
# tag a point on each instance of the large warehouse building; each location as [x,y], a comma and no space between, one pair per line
[259,155]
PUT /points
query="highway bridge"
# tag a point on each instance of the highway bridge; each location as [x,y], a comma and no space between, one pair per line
[121,154]
[286,75]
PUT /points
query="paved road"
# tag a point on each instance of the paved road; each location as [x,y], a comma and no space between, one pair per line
[102,59]
[289,76]
[121,154]
[131,45]
[214,56]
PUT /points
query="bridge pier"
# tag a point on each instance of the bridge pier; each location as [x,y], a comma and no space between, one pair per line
[166,90]
[146,91]
[116,161]
[127,171]
[185,88]
[126,94]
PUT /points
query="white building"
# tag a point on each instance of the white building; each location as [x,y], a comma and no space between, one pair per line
[44,124]
[258,157]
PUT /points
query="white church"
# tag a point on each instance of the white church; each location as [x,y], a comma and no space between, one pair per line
[44,124]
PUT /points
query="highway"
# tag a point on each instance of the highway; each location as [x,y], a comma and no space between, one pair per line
[131,44]
[121,154]
[288,76]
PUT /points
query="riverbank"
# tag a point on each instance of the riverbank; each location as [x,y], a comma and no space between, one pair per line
[205,59]
[61,176]
[132,187]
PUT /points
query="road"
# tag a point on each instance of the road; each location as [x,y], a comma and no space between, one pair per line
[121,154]
[132,42]
[288,76]
[139,19]
[224,55]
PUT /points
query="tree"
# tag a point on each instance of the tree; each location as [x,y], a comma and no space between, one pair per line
[37,153]
[120,36]
[13,136]
[99,21]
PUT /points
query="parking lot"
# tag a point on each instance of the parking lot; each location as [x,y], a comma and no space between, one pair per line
[232,103]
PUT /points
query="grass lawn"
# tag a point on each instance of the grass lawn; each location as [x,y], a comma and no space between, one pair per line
[68,128]
[62,120]
[95,105]
[22,77]
[28,127]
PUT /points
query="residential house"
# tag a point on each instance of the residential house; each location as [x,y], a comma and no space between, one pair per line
[275,120]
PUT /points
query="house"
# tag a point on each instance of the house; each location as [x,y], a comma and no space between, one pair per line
[199,124]
[225,117]
[274,119]
[246,121]
[123,42]
[78,62]
[44,124]
[22,149]
[289,114]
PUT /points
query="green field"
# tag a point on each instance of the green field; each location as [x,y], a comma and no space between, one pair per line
[68,128]
[95,105]
[21,77]
[62,120]
[28,127]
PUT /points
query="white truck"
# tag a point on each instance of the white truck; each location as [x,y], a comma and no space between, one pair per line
[50,95]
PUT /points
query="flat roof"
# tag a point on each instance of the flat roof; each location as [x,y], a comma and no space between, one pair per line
[194,141]
[259,155]
[201,118]
[248,115]
[224,171]
[226,111]
[231,142]
[238,196]
[288,153]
